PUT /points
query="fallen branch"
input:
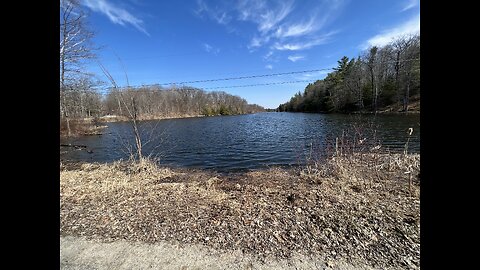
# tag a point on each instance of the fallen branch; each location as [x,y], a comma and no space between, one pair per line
[74,145]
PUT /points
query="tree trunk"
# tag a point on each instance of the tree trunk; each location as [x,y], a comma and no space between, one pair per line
[374,101]
[138,140]
[62,81]
[65,113]
[397,74]
[82,106]
[360,94]
[119,106]
[407,95]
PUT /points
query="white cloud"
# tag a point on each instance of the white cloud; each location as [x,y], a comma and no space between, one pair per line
[409,27]
[410,4]
[272,18]
[295,29]
[269,67]
[218,14]
[268,55]
[303,45]
[116,14]
[277,25]
[207,47]
[265,16]
[258,41]
[210,49]
[295,58]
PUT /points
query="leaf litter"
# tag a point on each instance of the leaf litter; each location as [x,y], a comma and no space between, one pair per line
[358,208]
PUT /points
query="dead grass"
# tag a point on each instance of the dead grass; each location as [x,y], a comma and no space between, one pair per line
[359,209]
[143,117]
[81,127]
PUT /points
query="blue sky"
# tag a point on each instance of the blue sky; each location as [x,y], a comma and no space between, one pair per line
[187,40]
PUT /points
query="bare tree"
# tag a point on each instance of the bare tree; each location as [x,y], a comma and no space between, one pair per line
[131,109]
[407,53]
[371,64]
[75,48]
[411,66]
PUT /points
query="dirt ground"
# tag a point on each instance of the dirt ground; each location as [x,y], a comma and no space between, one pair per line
[79,253]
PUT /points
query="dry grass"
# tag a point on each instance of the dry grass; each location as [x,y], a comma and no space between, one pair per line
[143,117]
[358,208]
[371,171]
[81,127]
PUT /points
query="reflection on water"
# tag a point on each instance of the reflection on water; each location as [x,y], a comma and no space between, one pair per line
[242,142]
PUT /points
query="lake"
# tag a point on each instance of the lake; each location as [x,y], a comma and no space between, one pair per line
[242,142]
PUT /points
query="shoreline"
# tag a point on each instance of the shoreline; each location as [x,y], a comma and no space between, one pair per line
[344,209]
[87,128]
[116,118]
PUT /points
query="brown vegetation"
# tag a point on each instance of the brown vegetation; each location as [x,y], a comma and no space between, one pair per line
[359,208]
[81,127]
[413,107]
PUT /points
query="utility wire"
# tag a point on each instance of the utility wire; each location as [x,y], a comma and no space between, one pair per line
[247,77]
[268,75]
[256,84]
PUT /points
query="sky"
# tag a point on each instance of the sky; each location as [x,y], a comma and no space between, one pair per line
[189,40]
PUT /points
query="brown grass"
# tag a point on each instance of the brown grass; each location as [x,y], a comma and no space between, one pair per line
[81,127]
[142,117]
[358,208]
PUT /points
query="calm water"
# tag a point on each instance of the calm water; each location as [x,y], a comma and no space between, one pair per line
[226,143]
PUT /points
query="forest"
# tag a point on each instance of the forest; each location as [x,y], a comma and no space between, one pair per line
[378,78]
[155,102]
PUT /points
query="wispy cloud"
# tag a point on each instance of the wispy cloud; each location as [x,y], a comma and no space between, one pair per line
[219,14]
[210,49]
[409,27]
[258,41]
[269,67]
[410,4]
[278,25]
[268,55]
[116,14]
[293,30]
[295,58]
[291,34]
[265,16]
[303,45]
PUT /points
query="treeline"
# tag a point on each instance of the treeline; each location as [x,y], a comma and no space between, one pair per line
[79,100]
[152,102]
[378,78]
[155,101]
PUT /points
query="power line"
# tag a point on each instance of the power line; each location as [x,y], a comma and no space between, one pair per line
[247,77]
[264,75]
[244,85]
[257,84]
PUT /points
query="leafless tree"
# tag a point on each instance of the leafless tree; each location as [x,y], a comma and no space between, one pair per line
[405,48]
[75,48]
[371,64]
[131,109]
